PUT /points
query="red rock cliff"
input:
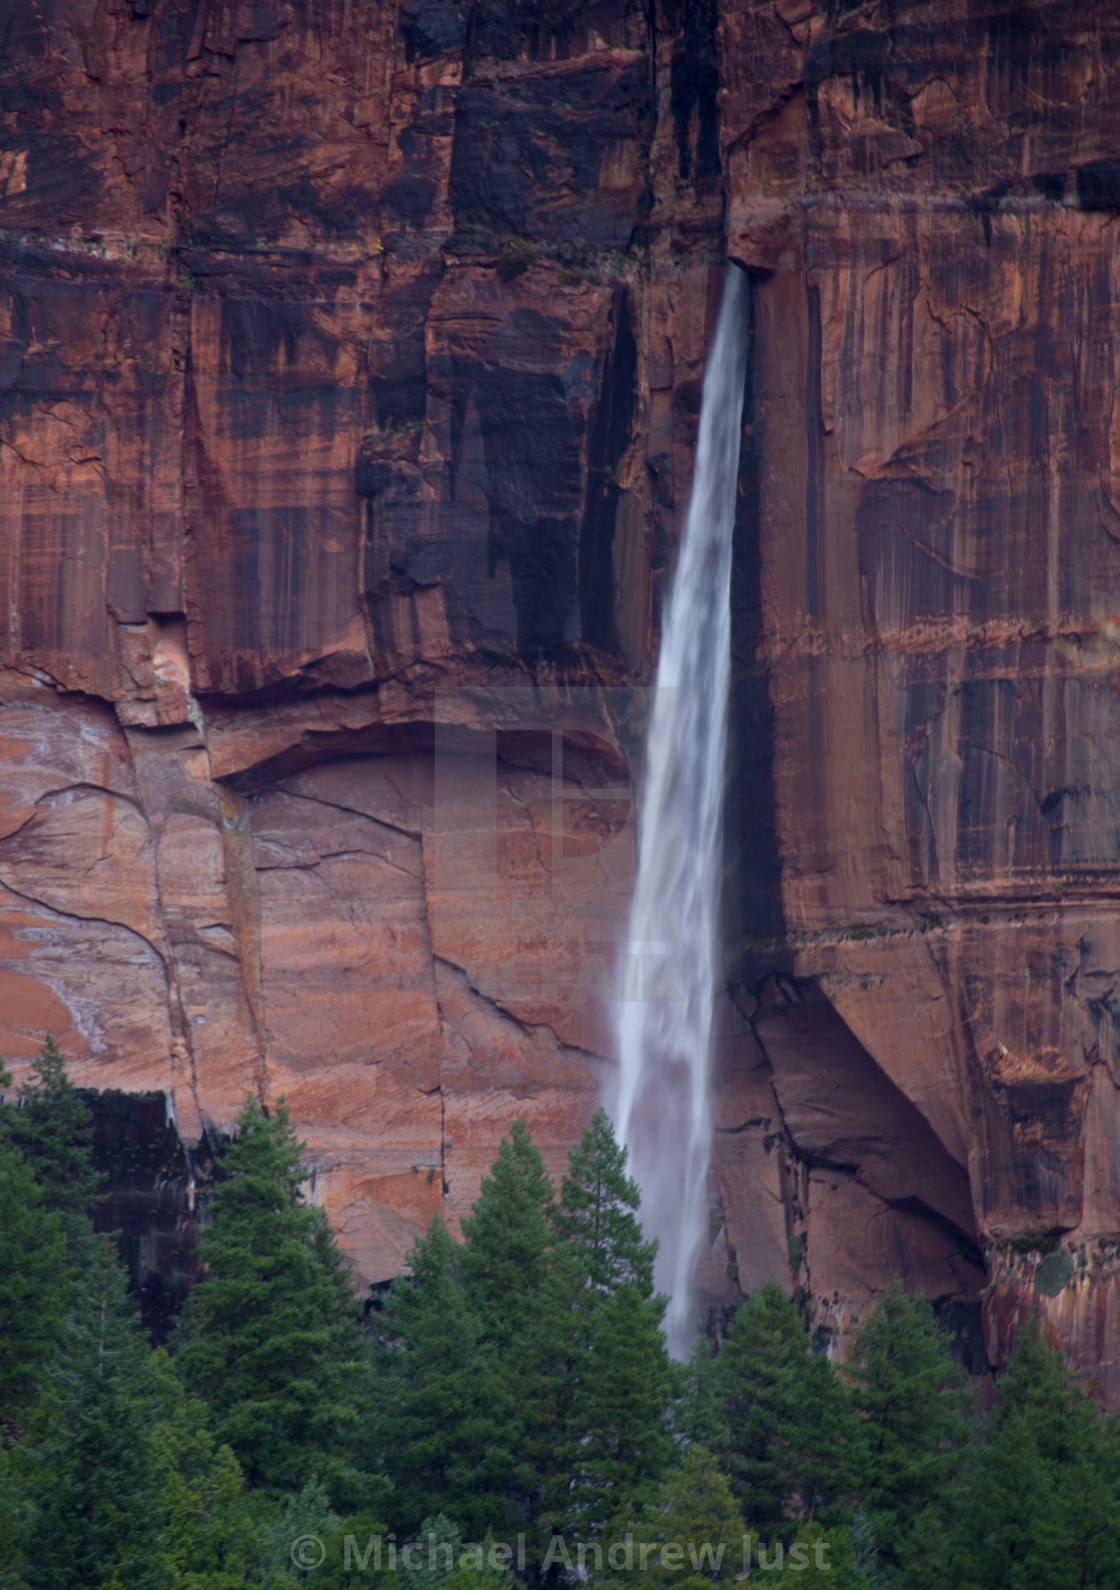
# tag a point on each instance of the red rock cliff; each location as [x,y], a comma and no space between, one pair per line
[349,369]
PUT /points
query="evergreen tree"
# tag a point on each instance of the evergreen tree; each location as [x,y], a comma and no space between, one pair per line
[270,1336]
[11,1554]
[691,1510]
[699,1414]
[507,1262]
[794,1443]
[305,1516]
[53,1129]
[440,1544]
[596,1216]
[911,1398]
[206,1538]
[85,1467]
[1038,1503]
[614,1441]
[506,1240]
[448,1428]
[34,1280]
[816,1559]
[612,1379]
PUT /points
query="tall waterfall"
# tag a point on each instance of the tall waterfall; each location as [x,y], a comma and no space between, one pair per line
[664,1116]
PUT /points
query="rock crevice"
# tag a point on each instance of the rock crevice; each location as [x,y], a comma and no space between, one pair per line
[350,369]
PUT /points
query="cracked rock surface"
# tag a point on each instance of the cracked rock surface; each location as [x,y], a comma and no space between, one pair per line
[350,365]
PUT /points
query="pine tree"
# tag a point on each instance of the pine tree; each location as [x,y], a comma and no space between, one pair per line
[206,1538]
[612,1378]
[596,1216]
[85,1467]
[815,1559]
[506,1240]
[794,1443]
[447,1423]
[34,1280]
[699,1414]
[53,1129]
[692,1510]
[912,1400]
[615,1440]
[11,1554]
[306,1515]
[507,1262]
[271,1336]
[1038,1502]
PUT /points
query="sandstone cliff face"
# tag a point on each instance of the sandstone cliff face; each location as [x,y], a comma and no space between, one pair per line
[350,361]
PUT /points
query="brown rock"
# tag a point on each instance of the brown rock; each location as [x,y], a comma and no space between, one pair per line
[349,402]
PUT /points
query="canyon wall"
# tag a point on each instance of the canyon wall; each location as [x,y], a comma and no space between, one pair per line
[350,362]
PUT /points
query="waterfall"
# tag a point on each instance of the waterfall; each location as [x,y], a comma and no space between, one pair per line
[673,960]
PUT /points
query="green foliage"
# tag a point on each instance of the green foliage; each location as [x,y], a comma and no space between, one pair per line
[522,1386]
[693,1509]
[206,1538]
[11,1554]
[1054,1272]
[506,1242]
[446,1424]
[526,1378]
[440,1543]
[517,254]
[271,1337]
[1038,1502]
[794,1444]
[34,1280]
[824,1558]
[912,1400]
[508,1270]
[306,1516]
[612,1378]
[53,1129]
[87,1483]
[613,1441]
[699,1414]
[597,1214]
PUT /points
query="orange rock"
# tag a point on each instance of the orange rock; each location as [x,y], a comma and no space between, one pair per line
[349,415]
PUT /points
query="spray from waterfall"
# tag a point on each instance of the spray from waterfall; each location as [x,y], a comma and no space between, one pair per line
[673,960]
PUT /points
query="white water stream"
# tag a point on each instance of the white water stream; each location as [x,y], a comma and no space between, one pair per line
[663,1110]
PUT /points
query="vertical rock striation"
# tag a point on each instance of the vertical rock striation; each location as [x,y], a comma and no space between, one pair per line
[350,363]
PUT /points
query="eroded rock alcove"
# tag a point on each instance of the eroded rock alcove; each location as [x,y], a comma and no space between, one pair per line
[349,374]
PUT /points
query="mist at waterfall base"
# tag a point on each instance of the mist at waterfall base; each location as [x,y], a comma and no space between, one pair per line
[672,960]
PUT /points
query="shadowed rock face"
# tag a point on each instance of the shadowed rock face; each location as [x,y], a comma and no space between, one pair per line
[350,363]
[155,1187]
